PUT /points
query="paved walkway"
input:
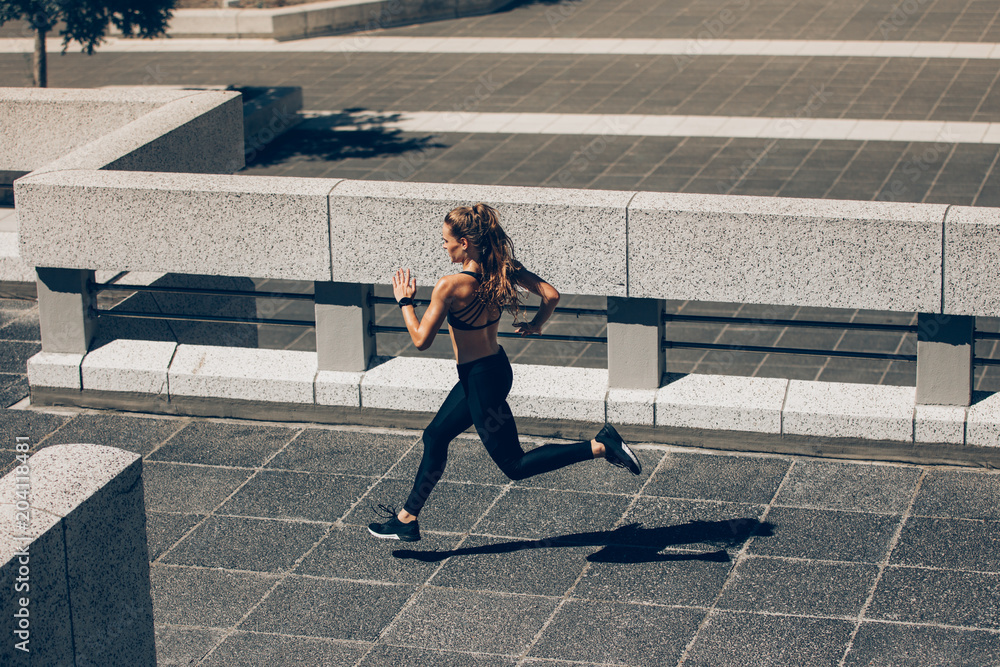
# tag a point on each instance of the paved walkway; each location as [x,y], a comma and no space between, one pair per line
[259,553]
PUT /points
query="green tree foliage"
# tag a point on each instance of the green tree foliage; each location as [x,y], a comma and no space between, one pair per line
[86,21]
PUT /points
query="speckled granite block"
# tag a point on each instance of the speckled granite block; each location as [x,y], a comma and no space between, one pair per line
[54,369]
[972,261]
[198,132]
[778,250]
[721,402]
[338,388]
[844,410]
[569,235]
[939,423]
[12,267]
[982,427]
[43,124]
[247,226]
[101,559]
[630,406]
[555,392]
[407,383]
[128,365]
[283,376]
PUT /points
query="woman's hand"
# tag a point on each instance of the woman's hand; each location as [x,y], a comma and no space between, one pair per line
[402,285]
[526,328]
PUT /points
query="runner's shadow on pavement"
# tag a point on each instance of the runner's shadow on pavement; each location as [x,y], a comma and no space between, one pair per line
[628,544]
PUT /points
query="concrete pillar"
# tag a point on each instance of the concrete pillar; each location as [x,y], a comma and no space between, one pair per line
[342,316]
[64,302]
[635,329]
[944,359]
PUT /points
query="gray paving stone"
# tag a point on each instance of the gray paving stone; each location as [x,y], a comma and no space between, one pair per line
[747,479]
[394,656]
[531,567]
[327,608]
[480,622]
[947,597]
[827,535]
[798,587]
[33,424]
[208,598]
[596,476]
[692,524]
[163,530]
[967,544]
[451,506]
[211,443]
[538,513]
[184,646]
[467,462]
[670,577]
[139,434]
[14,356]
[24,327]
[737,639]
[239,543]
[248,648]
[350,552]
[958,494]
[848,486]
[342,451]
[282,494]
[176,487]
[894,645]
[620,633]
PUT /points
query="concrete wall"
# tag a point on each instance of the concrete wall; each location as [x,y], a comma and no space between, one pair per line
[83,569]
[834,254]
[43,124]
[321,18]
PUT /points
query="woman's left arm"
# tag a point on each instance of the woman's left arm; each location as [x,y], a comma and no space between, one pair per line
[422,333]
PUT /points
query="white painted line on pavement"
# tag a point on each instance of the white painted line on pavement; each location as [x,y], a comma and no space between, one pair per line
[850,129]
[684,48]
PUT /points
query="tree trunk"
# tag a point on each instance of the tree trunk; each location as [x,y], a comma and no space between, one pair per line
[40,63]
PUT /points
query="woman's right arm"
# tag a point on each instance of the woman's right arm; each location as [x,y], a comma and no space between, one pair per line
[548,293]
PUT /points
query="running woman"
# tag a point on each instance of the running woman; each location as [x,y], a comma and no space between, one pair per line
[488,281]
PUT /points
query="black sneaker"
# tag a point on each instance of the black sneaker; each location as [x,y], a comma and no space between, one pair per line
[616,451]
[394,529]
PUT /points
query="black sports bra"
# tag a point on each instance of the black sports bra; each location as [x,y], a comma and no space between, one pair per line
[454,319]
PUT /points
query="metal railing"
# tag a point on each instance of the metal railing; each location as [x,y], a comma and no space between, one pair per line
[374,329]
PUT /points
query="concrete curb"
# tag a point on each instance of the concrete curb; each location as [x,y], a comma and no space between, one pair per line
[320,18]
[850,420]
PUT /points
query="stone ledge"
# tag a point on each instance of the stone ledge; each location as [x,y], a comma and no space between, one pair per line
[827,447]
[320,18]
[148,375]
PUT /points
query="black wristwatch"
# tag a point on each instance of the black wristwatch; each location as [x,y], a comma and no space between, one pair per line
[405,301]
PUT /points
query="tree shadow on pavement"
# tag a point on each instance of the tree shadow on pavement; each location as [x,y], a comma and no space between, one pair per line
[351,133]
[628,544]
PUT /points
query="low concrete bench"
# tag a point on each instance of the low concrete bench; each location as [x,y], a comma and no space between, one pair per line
[74,563]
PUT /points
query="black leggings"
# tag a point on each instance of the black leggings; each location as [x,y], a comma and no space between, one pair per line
[479,397]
